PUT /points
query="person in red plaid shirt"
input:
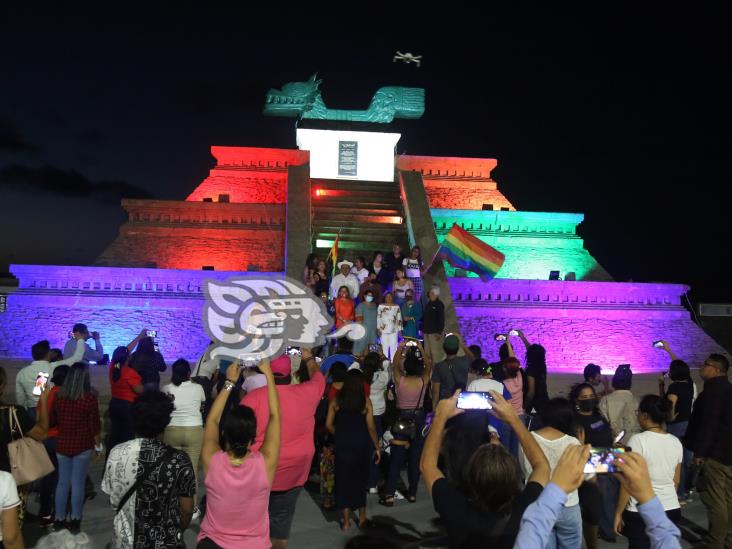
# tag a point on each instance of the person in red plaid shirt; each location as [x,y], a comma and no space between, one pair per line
[76,413]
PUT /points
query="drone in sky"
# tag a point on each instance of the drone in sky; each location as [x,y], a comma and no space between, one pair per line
[407,58]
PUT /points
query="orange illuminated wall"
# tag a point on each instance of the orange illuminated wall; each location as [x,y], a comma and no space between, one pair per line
[457,183]
[249,175]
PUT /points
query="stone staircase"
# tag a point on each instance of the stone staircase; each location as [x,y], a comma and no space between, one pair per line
[369,215]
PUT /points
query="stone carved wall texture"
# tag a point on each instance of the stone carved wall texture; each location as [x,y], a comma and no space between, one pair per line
[457,183]
[583,322]
[188,235]
[578,322]
[114,301]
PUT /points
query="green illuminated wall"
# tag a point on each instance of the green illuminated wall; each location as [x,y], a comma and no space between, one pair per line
[534,242]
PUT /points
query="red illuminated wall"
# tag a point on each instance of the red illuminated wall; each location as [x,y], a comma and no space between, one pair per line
[249,175]
[457,183]
[188,235]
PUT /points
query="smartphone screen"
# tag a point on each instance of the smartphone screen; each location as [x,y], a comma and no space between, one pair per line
[41,380]
[474,401]
[604,460]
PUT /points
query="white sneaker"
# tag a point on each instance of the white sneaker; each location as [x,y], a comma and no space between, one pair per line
[196,514]
[373,490]
[398,495]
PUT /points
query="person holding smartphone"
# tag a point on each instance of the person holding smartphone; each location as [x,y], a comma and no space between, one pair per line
[29,381]
[81,332]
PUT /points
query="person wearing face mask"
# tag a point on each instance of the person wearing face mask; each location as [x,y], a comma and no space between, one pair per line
[597,495]
[593,376]
[366,313]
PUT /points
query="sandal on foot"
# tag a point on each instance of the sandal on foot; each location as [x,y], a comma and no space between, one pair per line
[412,499]
[386,501]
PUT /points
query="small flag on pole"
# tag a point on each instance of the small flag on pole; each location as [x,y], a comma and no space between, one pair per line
[462,250]
[333,254]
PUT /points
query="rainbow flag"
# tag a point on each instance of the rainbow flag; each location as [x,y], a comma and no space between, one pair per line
[464,251]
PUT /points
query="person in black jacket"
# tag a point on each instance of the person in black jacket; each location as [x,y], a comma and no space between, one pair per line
[708,437]
[149,363]
[433,324]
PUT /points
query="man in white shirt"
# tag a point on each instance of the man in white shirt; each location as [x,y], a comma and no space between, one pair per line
[344,278]
[25,381]
[360,271]
[81,331]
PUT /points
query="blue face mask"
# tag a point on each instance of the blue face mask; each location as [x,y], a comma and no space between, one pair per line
[369,298]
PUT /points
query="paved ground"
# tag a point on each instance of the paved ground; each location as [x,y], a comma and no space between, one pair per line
[410,525]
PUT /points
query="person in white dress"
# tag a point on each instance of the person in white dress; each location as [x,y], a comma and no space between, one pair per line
[389,324]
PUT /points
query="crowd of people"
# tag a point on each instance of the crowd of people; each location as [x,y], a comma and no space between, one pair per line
[355,418]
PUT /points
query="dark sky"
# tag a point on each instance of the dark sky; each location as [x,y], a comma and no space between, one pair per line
[622,113]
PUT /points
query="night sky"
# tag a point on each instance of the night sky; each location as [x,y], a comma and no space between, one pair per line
[622,114]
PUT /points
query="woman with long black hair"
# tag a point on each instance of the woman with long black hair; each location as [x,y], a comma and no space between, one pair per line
[351,421]
[557,433]
[185,430]
[148,362]
[680,396]
[410,387]
[126,384]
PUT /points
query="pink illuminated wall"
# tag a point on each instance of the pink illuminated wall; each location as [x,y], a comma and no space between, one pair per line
[606,323]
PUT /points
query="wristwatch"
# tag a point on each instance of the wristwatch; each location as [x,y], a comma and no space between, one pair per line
[229,385]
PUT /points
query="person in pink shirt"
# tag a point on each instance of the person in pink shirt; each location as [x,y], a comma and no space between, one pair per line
[238,477]
[297,408]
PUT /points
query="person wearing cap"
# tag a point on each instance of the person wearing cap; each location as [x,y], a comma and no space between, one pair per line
[451,373]
[298,403]
[344,278]
[619,407]
[433,324]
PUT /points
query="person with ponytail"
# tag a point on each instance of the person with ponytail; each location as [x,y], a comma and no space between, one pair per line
[238,478]
[664,454]
[126,384]
[185,430]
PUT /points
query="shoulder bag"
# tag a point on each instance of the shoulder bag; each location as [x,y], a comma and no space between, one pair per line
[28,458]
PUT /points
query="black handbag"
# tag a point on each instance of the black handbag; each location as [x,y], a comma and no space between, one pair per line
[406,426]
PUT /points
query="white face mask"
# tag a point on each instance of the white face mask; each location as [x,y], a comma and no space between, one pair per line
[369,298]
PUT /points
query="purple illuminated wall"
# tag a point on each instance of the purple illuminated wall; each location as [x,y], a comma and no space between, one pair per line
[117,302]
[607,323]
